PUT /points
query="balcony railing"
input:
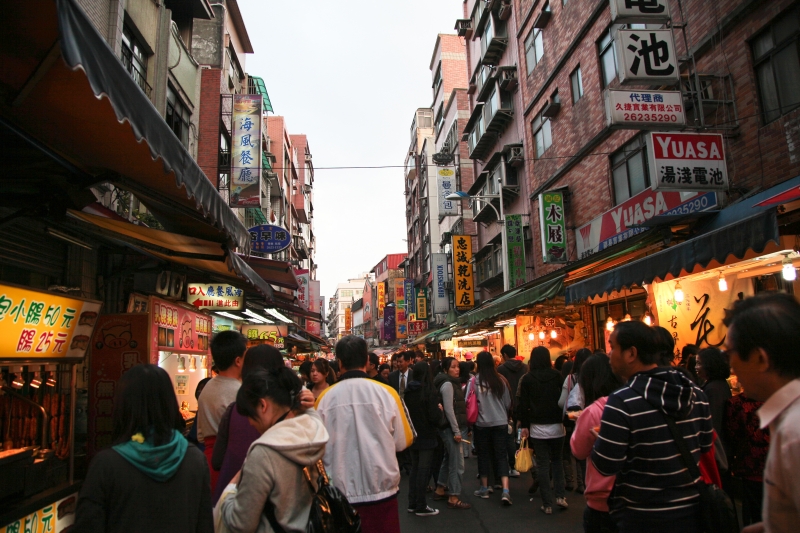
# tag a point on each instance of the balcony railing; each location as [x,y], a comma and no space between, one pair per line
[132,66]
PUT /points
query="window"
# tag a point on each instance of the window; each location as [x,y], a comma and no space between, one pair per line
[542,134]
[177,116]
[437,80]
[346,294]
[629,169]
[576,80]
[534,49]
[134,58]
[777,66]
[439,119]
[608,58]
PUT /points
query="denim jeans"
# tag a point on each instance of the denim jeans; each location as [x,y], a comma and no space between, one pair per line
[418,480]
[465,447]
[548,455]
[595,521]
[490,443]
[573,476]
[452,469]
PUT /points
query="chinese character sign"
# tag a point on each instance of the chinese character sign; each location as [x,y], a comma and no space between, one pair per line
[269,239]
[348,321]
[416,327]
[52,518]
[687,161]
[314,327]
[40,325]
[422,303]
[245,177]
[302,286]
[401,321]
[639,11]
[515,244]
[645,109]
[272,334]
[176,328]
[215,297]
[381,298]
[389,329]
[553,226]
[462,272]
[411,302]
[646,57]
[446,184]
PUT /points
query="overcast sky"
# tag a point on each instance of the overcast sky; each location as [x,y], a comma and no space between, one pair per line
[350,76]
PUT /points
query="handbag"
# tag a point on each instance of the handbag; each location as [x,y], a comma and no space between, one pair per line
[717,513]
[472,403]
[523,458]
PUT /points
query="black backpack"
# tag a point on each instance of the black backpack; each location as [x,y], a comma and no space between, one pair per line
[330,510]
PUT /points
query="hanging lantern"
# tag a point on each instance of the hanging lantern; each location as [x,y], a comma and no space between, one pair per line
[541,335]
[610,324]
[789,272]
[678,293]
[553,334]
[723,285]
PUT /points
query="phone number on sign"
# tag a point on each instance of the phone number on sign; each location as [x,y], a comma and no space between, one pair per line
[650,117]
[698,204]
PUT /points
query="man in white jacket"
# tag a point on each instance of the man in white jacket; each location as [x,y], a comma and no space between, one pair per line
[368,423]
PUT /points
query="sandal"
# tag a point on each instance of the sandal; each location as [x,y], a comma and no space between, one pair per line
[439,497]
[458,505]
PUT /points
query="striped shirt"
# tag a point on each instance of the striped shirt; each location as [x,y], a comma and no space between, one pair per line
[636,445]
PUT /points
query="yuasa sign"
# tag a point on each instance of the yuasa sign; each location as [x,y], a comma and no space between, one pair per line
[687,161]
[646,57]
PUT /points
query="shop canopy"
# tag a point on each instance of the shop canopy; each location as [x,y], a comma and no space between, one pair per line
[735,230]
[279,273]
[290,303]
[81,120]
[428,337]
[513,301]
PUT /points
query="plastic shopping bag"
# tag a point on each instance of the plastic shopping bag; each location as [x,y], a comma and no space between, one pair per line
[524,457]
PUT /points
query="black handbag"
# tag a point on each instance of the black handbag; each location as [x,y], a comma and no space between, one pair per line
[717,513]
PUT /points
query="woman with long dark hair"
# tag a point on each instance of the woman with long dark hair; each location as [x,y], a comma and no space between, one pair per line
[713,371]
[152,479]
[572,400]
[271,493]
[320,371]
[494,402]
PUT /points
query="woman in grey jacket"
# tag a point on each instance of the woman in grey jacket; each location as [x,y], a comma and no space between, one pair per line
[256,501]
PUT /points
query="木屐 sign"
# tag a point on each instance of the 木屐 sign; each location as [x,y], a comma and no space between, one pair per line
[42,325]
[687,161]
[639,11]
[245,178]
[462,272]
[644,109]
[215,297]
[646,57]
[553,227]
[515,262]
[446,184]
[269,239]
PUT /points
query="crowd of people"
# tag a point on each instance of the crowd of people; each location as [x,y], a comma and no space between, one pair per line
[626,429]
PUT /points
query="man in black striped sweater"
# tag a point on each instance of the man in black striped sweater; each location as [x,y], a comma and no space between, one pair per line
[653,491]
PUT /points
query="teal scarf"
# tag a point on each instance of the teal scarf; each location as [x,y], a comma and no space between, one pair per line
[157,462]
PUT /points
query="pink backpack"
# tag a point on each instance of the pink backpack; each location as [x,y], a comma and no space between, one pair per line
[472,403]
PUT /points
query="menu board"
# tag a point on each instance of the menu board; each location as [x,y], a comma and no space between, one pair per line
[176,329]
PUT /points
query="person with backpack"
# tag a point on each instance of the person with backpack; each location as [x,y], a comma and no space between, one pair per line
[271,493]
[572,400]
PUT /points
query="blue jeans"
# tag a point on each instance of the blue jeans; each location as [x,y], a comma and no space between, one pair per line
[452,469]
[490,443]
[548,455]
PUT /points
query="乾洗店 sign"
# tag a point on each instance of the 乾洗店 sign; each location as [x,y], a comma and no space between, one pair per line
[639,11]
[215,297]
[646,57]
[269,239]
[553,227]
[245,181]
[462,271]
[644,109]
[687,161]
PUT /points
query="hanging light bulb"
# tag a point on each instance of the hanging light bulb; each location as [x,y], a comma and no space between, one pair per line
[553,334]
[723,285]
[789,272]
[181,364]
[36,382]
[610,323]
[678,293]
[647,319]
[192,363]
[541,335]
[17,381]
[50,372]
[530,336]
[627,317]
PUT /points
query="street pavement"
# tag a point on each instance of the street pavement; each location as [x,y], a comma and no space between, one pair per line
[489,516]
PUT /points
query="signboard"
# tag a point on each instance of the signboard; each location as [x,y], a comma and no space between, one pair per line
[368,302]
[553,227]
[472,343]
[302,286]
[441,303]
[515,262]
[462,272]
[422,303]
[381,298]
[644,109]
[273,334]
[415,327]
[176,329]
[614,226]
[348,320]
[245,186]
[41,325]
[446,184]
[215,297]
[312,326]
[52,518]
[411,302]
[389,327]
[400,308]
[646,57]
[639,11]
[687,161]
[269,239]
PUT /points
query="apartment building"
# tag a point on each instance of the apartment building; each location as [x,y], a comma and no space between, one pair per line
[340,312]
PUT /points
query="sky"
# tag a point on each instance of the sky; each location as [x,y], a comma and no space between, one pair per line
[350,76]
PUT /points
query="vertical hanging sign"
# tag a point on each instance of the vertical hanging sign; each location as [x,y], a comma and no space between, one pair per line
[553,227]
[245,177]
[389,330]
[441,303]
[381,298]
[422,303]
[401,321]
[516,251]
[446,184]
[348,320]
[462,272]
[411,302]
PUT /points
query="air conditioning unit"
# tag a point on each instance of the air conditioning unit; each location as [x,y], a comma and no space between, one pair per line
[464,28]
[508,176]
[505,10]
[170,284]
[508,78]
[551,109]
[307,188]
[515,156]
[308,157]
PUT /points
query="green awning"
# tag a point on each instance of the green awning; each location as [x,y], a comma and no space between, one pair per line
[258,215]
[261,89]
[512,301]
[265,161]
[444,335]
[427,337]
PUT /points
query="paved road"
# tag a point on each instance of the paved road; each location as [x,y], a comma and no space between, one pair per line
[488,516]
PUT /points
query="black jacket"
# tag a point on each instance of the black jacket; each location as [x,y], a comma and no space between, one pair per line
[540,390]
[394,379]
[513,371]
[425,415]
[459,402]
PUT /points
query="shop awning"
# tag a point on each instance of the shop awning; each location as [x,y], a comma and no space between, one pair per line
[278,273]
[512,301]
[65,91]
[428,337]
[290,303]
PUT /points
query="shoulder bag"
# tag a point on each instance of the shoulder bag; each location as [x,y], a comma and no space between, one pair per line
[717,513]
[472,403]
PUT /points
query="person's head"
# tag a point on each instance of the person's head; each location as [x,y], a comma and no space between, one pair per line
[560,360]
[320,370]
[384,371]
[686,352]
[451,367]
[395,358]
[373,362]
[633,348]
[762,341]
[712,364]
[465,368]
[351,351]
[487,374]
[227,350]
[200,386]
[421,372]
[436,367]
[665,346]
[418,356]
[305,370]
[469,356]
[596,378]
[266,396]
[404,360]
[580,357]
[508,352]
[145,403]
[540,358]
[261,356]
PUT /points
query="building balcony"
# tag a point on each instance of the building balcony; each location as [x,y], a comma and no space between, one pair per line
[494,41]
[186,70]
[136,71]
[301,247]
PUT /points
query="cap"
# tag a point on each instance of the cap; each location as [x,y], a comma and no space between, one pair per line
[468,356]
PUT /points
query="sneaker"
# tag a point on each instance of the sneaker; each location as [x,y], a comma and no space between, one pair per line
[483,492]
[546,509]
[428,511]
[506,499]
[411,510]
[513,473]
[562,502]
